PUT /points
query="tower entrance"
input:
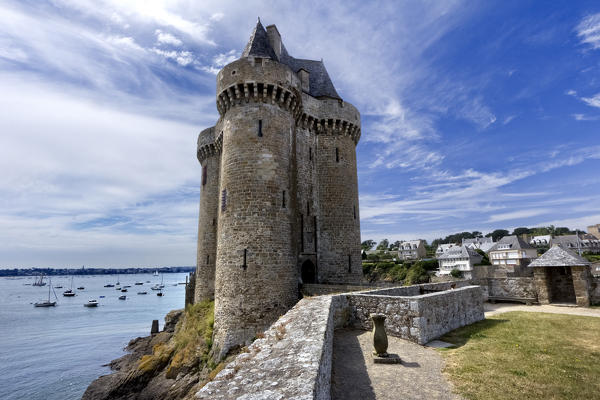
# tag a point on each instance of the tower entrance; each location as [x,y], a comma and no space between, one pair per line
[309,272]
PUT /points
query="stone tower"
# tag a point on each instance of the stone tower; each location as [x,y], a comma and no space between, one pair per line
[279,194]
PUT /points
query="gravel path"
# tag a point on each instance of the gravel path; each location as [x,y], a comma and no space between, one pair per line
[355,376]
[499,308]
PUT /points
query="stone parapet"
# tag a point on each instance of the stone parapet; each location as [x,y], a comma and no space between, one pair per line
[292,360]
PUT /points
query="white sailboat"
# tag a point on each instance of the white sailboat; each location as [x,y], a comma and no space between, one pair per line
[47,303]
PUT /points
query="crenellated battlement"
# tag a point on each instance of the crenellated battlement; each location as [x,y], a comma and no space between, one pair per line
[241,93]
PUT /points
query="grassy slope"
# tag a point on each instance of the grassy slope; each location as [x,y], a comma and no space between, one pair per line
[520,355]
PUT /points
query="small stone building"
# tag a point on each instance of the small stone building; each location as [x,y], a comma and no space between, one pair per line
[562,276]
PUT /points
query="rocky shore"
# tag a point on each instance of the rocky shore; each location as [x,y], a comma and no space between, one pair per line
[146,372]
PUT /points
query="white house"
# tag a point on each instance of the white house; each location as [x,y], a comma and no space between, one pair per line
[442,248]
[412,250]
[481,243]
[462,258]
[512,253]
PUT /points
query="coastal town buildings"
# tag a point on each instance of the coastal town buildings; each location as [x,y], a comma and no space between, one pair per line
[512,253]
[462,258]
[594,230]
[481,243]
[444,247]
[412,250]
[584,243]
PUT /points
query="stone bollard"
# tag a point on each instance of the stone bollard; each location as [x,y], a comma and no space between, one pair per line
[154,329]
[380,341]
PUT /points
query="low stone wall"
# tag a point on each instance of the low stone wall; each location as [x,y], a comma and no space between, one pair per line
[319,289]
[292,361]
[418,318]
[520,287]
[416,290]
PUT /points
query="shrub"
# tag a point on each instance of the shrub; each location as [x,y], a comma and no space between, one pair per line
[429,265]
[416,274]
[368,267]
[373,257]
[384,266]
[456,273]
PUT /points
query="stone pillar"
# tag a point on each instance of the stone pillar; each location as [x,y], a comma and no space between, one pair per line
[541,279]
[581,283]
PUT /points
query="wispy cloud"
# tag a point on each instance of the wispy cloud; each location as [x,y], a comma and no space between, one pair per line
[167,38]
[588,30]
[593,101]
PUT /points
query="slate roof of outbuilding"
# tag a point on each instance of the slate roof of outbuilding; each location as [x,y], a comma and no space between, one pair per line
[320,84]
[515,242]
[558,256]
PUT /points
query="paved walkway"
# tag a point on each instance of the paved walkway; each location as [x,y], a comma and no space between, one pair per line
[355,376]
[499,308]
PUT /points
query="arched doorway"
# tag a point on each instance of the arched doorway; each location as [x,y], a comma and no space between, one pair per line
[308,272]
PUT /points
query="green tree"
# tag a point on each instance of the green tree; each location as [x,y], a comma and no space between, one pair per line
[485,260]
[416,274]
[367,244]
[521,231]
[497,234]
[395,245]
[383,245]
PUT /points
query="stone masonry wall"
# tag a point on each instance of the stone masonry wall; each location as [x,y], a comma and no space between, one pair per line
[254,226]
[292,360]
[339,255]
[207,225]
[419,318]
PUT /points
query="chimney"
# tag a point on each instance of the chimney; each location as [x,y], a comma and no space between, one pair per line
[274,39]
[304,79]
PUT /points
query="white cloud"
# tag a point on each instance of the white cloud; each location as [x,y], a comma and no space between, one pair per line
[593,101]
[508,119]
[517,215]
[583,117]
[588,30]
[87,163]
[183,58]
[167,38]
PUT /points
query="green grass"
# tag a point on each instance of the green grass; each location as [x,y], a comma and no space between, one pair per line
[523,355]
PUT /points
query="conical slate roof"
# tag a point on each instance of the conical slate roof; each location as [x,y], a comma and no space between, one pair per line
[259,45]
[319,81]
[559,257]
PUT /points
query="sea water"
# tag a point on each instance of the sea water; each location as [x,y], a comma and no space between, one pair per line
[56,352]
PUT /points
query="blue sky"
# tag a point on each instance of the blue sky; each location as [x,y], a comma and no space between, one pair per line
[476,116]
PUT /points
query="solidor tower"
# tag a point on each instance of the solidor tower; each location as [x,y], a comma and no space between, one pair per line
[279,194]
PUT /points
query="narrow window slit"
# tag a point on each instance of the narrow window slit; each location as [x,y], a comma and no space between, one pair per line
[204,175]
[245,253]
[310,153]
[349,263]
[260,133]
[283,199]
[337,155]
[207,258]
[354,212]
[224,200]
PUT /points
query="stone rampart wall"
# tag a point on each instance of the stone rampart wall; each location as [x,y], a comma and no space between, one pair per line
[292,360]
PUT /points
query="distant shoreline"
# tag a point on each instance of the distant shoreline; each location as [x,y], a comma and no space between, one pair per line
[91,271]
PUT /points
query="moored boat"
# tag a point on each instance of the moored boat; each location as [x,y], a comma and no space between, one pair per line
[122,297]
[46,303]
[91,303]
